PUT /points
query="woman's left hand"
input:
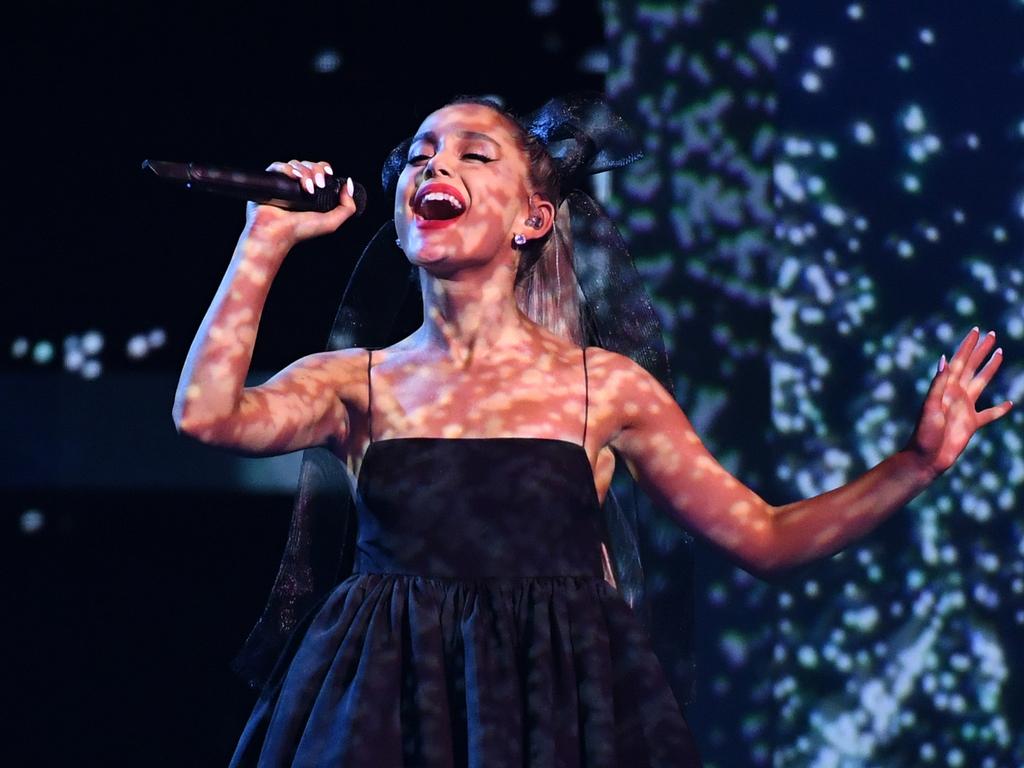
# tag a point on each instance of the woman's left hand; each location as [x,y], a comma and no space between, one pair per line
[948,418]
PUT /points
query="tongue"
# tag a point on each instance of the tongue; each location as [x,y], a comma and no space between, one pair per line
[438,209]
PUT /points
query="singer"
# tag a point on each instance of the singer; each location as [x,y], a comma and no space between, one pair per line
[480,614]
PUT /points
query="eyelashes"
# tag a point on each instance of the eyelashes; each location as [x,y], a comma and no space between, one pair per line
[468,156]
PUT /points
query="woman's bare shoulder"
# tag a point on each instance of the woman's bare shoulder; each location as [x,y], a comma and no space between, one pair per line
[619,377]
[346,368]
[350,366]
[603,360]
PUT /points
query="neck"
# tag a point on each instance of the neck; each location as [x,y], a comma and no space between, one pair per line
[471,312]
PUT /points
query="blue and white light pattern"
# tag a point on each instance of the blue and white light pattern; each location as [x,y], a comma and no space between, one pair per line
[899,231]
[894,154]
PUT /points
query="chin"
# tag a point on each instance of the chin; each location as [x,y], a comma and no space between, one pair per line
[435,260]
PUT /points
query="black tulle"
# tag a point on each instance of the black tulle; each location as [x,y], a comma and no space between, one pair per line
[476,629]
[364,661]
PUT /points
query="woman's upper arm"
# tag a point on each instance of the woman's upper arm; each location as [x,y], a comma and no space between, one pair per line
[671,464]
[299,407]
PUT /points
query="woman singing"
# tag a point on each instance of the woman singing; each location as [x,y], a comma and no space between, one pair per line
[481,624]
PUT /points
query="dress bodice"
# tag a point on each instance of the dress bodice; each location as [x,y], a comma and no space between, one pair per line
[478,507]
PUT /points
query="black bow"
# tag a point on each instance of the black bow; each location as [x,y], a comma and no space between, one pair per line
[581,132]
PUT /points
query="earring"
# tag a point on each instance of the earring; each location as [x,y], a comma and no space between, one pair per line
[519,239]
[533,221]
[398,242]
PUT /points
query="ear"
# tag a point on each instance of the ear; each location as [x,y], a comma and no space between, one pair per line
[541,210]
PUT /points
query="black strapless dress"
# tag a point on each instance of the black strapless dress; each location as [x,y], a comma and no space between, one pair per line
[477,630]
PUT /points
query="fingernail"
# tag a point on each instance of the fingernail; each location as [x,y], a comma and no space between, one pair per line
[297,172]
[350,187]
[320,180]
[999,351]
[329,169]
[975,329]
[309,185]
[991,333]
[942,363]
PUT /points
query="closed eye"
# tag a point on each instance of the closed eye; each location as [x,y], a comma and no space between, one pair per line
[416,159]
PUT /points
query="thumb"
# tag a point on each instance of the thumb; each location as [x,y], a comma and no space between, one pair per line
[347,205]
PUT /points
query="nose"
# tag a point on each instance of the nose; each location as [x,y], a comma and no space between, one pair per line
[436,166]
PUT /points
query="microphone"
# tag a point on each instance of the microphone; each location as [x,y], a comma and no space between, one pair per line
[258,186]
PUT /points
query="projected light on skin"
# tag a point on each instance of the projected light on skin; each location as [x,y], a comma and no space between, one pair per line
[478,368]
[855,292]
[919,670]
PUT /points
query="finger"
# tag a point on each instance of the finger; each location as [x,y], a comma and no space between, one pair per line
[304,175]
[315,172]
[346,204]
[959,359]
[977,385]
[320,174]
[977,356]
[995,412]
[938,385]
[323,170]
[334,218]
[286,168]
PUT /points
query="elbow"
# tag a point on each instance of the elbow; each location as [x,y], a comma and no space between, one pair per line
[780,552]
[180,423]
[766,572]
[185,423]
[759,564]
[201,429]
[767,561]
[200,418]
[187,428]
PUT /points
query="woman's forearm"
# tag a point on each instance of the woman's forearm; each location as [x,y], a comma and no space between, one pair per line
[821,526]
[211,383]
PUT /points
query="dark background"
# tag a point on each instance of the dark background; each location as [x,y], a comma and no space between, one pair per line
[135,562]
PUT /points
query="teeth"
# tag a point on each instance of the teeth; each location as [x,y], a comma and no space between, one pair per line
[454,201]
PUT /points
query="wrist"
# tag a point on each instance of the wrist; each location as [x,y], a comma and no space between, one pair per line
[919,465]
[266,241]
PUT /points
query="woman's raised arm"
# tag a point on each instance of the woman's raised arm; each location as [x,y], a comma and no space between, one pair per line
[300,406]
[669,461]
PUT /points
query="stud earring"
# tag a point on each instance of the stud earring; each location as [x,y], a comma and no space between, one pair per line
[398,242]
[533,221]
[519,239]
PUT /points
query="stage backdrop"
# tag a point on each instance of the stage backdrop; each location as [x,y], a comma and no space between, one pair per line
[833,195]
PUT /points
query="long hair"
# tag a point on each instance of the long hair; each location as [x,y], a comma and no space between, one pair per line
[546,287]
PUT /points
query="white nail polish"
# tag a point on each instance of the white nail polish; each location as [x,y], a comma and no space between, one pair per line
[320,180]
[350,187]
[999,351]
[309,185]
[991,333]
[297,172]
[329,169]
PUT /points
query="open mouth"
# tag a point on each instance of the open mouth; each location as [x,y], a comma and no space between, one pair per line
[438,203]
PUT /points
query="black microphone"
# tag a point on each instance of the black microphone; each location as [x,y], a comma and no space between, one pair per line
[259,186]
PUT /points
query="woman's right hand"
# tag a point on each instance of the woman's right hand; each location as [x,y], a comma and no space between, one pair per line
[291,227]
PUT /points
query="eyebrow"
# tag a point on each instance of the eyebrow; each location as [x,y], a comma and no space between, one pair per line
[432,137]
